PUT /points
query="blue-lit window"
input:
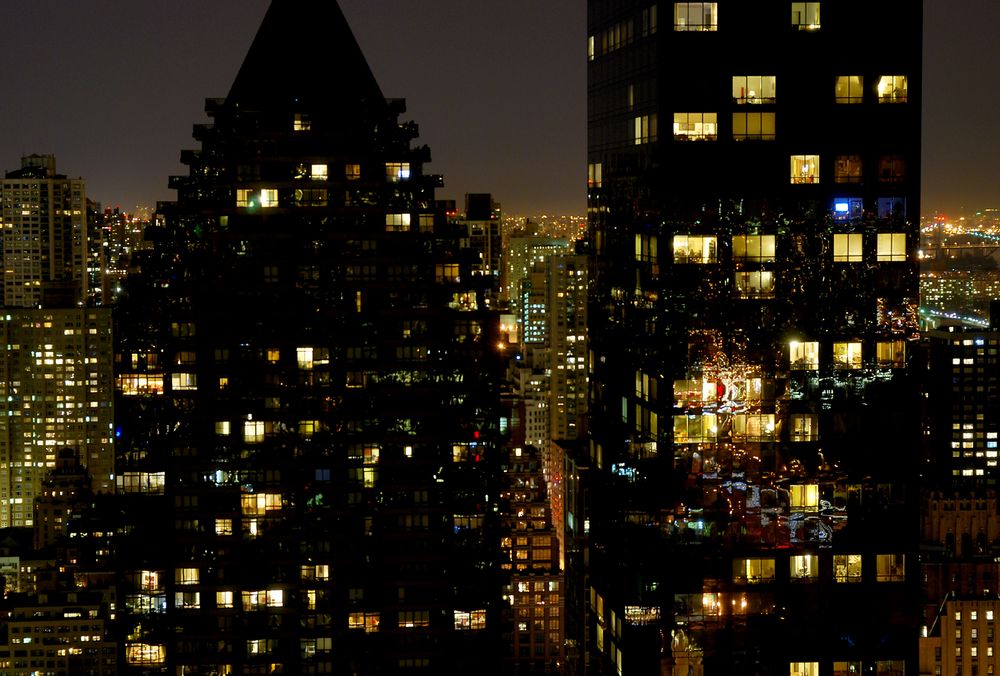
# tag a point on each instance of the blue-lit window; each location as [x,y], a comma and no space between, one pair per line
[847,208]
[892,207]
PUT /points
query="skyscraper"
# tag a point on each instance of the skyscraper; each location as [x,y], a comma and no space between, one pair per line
[754,197]
[308,449]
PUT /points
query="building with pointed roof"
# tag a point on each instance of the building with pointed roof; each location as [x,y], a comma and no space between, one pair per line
[308,390]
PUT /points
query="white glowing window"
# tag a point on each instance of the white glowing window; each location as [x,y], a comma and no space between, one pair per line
[397,222]
[696,126]
[319,172]
[304,357]
[268,198]
[804,169]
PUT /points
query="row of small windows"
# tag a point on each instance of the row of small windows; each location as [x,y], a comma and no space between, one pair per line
[703,249]
[847,568]
[704,16]
[878,668]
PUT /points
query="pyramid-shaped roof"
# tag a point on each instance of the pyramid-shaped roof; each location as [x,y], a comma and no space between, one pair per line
[305,52]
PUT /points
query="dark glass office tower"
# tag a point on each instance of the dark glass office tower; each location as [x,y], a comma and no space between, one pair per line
[754,198]
[309,394]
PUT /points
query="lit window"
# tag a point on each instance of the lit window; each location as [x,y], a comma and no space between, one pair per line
[183,576]
[646,248]
[258,504]
[753,571]
[304,356]
[696,16]
[847,248]
[183,381]
[397,222]
[847,355]
[695,249]
[890,567]
[696,126]
[223,526]
[409,619]
[755,284]
[754,427]
[805,15]
[245,197]
[352,172]
[753,88]
[803,668]
[301,122]
[446,272]
[892,89]
[367,621]
[184,600]
[318,172]
[693,429]
[753,248]
[891,353]
[145,653]
[805,427]
[891,169]
[891,246]
[849,89]
[805,169]
[804,568]
[753,126]
[223,599]
[222,428]
[253,431]
[590,48]
[846,668]
[847,169]
[803,356]
[847,567]
[595,178]
[645,129]
[397,171]
[268,198]
[848,208]
[804,496]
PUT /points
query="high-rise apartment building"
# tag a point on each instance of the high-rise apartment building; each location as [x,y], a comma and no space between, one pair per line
[310,394]
[56,392]
[754,436]
[44,217]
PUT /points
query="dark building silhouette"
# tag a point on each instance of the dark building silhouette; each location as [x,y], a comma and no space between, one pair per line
[310,396]
[754,173]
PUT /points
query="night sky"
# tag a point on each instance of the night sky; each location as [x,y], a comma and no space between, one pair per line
[112,87]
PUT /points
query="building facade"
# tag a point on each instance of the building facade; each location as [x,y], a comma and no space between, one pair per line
[311,432]
[754,436]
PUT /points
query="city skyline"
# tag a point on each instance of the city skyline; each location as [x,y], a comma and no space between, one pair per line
[508,119]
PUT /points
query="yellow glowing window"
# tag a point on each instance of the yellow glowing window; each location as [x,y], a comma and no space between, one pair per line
[318,172]
[595,175]
[804,169]
[183,576]
[223,428]
[892,89]
[849,89]
[753,126]
[803,356]
[257,504]
[847,567]
[805,16]
[184,600]
[273,355]
[253,431]
[646,248]
[695,392]
[754,284]
[891,246]
[397,171]
[805,427]
[696,16]
[692,429]
[804,567]
[847,355]
[245,197]
[268,198]
[754,89]
[890,568]
[695,249]
[224,599]
[696,126]
[367,621]
[753,427]
[644,129]
[803,669]
[145,653]
[352,172]
[307,428]
[183,381]
[847,247]
[803,496]
[891,353]
[397,222]
[301,122]
[304,356]
[753,248]
[370,455]
[223,526]
[446,272]
[753,571]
